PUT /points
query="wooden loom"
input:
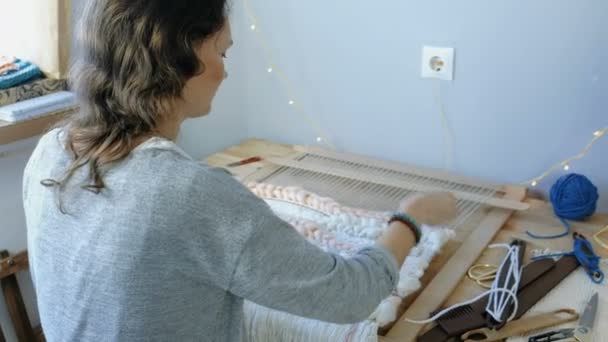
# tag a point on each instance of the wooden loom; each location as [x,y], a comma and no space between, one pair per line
[372,184]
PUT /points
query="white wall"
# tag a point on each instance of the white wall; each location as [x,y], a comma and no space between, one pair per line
[35,31]
[530,82]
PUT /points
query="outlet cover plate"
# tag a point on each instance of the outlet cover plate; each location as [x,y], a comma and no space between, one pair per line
[445,55]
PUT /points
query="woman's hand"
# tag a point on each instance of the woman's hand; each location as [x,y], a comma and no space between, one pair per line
[430,209]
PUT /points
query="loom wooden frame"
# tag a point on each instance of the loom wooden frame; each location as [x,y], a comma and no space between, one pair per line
[437,292]
[448,278]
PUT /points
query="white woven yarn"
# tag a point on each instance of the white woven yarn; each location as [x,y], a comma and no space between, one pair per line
[341,230]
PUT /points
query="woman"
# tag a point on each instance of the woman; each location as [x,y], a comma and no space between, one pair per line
[130,239]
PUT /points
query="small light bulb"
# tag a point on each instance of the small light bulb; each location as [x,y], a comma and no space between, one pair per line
[534,183]
[291,102]
[566,167]
[269,70]
[253,27]
[319,139]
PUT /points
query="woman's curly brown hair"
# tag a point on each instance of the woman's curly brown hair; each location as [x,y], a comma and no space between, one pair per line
[133,58]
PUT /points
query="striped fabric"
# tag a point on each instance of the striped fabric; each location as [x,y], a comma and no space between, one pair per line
[25,71]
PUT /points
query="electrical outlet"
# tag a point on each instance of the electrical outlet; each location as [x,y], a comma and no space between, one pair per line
[438,62]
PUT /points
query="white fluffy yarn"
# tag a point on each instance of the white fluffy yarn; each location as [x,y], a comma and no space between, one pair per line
[387,310]
[412,270]
[345,230]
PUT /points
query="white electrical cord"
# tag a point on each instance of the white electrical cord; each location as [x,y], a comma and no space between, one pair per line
[448,138]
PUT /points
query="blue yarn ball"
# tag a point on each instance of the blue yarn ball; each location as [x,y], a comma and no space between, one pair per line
[574,197]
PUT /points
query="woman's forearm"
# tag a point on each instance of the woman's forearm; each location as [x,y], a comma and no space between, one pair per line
[399,239]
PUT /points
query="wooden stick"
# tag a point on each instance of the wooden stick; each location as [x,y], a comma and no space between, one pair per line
[39,334]
[16,307]
[2,338]
[12,265]
[346,173]
[444,283]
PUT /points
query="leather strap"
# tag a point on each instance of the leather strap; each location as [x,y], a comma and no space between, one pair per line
[462,320]
[530,295]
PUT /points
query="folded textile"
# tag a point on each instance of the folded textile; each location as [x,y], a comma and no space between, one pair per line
[18,72]
[31,89]
[40,106]
[8,64]
[4,69]
[5,60]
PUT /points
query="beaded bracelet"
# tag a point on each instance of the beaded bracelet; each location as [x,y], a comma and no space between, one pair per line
[408,221]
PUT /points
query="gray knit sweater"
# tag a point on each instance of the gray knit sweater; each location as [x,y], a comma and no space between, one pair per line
[171,248]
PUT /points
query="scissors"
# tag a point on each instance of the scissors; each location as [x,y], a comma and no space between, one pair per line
[483,274]
[581,333]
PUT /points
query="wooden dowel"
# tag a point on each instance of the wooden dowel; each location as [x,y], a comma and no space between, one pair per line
[16,307]
[14,264]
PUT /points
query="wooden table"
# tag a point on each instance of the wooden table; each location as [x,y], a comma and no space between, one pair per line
[12,132]
[539,218]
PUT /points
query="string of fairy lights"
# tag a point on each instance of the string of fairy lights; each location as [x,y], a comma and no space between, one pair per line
[272,68]
[566,164]
[323,137]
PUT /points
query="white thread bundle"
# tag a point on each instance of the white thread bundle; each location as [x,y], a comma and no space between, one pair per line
[496,304]
[499,301]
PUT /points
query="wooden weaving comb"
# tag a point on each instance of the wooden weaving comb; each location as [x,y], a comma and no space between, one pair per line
[470,317]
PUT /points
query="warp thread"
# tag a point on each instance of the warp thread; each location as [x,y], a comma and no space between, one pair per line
[574,197]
